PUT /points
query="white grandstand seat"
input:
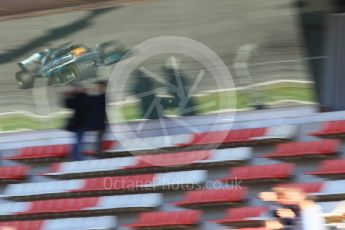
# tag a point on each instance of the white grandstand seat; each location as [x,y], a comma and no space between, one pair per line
[285,132]
[104,185]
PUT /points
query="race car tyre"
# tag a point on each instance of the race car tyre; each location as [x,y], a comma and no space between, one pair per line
[56,78]
[25,80]
[71,73]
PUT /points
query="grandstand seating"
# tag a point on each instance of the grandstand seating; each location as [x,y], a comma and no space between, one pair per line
[326,190]
[243,136]
[151,163]
[79,206]
[104,222]
[331,129]
[293,150]
[50,152]
[232,138]
[213,197]
[244,216]
[260,173]
[42,152]
[172,220]
[104,185]
[140,183]
[330,168]
[13,173]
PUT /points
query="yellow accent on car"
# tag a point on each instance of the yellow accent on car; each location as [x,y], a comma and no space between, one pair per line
[77,52]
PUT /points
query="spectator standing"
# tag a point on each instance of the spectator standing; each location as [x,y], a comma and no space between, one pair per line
[96,117]
[76,101]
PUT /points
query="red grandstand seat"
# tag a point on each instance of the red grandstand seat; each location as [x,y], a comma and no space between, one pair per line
[172,159]
[313,187]
[167,219]
[23,225]
[330,168]
[331,128]
[52,151]
[260,173]
[232,136]
[61,205]
[305,149]
[42,152]
[213,197]
[13,173]
[243,215]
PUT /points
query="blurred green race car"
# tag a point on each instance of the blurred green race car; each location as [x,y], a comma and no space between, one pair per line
[68,63]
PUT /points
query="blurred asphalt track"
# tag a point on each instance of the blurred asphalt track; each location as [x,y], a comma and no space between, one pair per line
[222,25]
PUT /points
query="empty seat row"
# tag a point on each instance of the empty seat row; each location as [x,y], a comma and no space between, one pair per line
[245,216]
[79,206]
[104,223]
[275,172]
[330,168]
[244,136]
[171,220]
[170,161]
[331,129]
[119,203]
[232,138]
[235,138]
[213,197]
[161,220]
[260,173]
[49,152]
[105,185]
[13,173]
[326,190]
[200,158]
[305,149]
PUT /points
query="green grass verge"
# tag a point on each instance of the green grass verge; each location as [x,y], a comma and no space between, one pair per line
[207,103]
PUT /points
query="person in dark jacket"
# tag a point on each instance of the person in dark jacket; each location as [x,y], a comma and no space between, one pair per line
[96,117]
[76,101]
